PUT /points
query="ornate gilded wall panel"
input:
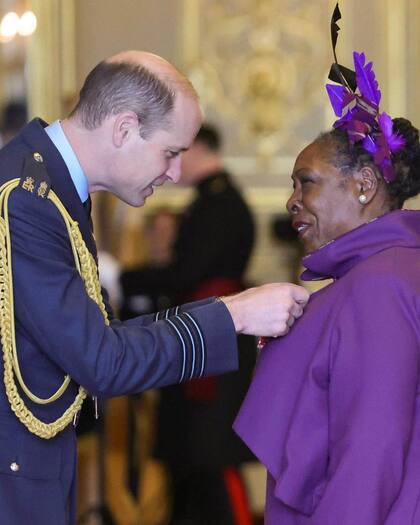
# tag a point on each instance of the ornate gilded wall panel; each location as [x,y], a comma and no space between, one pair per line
[252,62]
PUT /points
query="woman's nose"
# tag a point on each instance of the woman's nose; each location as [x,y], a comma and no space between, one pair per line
[294,203]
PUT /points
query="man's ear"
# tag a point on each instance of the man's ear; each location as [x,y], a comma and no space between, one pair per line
[125,125]
[367,183]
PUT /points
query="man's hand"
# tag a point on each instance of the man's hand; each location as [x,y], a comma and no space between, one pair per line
[269,310]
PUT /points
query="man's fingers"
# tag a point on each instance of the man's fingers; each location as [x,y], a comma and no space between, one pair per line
[269,310]
[282,332]
[290,321]
[300,294]
[296,310]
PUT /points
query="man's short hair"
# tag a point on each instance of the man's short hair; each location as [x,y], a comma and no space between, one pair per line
[210,137]
[114,87]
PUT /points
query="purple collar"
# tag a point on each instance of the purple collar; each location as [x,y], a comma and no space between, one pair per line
[333,260]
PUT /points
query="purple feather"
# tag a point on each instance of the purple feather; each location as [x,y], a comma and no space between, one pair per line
[385,123]
[365,77]
[356,130]
[387,170]
[369,145]
[393,140]
[396,142]
[337,95]
[360,118]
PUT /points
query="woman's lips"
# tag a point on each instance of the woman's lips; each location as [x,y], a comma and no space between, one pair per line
[301,227]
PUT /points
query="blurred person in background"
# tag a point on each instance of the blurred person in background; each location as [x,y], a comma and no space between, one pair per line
[211,252]
[136,486]
[13,117]
[215,237]
[159,233]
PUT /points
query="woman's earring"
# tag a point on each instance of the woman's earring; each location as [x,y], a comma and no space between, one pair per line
[362,199]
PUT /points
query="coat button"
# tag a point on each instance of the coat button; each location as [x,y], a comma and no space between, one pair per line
[38,157]
[15,467]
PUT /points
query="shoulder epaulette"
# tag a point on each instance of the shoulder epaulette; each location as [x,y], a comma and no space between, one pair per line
[35,179]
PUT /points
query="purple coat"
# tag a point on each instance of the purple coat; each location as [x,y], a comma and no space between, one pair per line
[333,411]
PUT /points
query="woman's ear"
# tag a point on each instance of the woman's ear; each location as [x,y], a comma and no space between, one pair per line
[367,184]
[125,124]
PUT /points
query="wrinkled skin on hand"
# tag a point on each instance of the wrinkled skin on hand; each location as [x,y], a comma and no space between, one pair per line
[268,310]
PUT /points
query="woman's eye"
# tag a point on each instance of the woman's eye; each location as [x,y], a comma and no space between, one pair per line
[305,180]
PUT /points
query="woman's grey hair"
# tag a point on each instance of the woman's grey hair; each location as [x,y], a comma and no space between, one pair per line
[406,161]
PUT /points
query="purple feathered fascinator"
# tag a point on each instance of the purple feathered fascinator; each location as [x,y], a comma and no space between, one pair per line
[356,102]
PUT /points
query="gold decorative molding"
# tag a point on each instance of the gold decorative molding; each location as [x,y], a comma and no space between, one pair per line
[250,61]
[51,58]
[68,49]
[44,62]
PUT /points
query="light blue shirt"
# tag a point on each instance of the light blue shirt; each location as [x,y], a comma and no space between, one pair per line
[59,139]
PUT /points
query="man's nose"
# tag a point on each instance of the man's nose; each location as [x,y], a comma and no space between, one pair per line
[174,170]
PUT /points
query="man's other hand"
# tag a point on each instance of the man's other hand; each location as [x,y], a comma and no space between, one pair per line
[269,310]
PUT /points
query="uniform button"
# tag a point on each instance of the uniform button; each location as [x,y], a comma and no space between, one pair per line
[38,157]
[15,467]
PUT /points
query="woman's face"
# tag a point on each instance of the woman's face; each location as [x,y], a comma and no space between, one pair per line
[324,203]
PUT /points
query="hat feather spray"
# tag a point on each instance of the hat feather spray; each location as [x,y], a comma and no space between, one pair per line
[355,100]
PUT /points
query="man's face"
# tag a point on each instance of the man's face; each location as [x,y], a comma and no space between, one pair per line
[191,164]
[140,164]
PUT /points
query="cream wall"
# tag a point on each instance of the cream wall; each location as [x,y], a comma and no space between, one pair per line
[105,27]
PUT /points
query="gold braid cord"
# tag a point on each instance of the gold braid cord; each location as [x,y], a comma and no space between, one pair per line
[86,266]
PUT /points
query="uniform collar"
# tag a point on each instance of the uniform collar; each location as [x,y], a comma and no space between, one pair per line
[399,228]
[60,141]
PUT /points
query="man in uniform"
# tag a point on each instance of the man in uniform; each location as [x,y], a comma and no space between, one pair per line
[135,116]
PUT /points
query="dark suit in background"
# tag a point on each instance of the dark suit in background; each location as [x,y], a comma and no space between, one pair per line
[215,240]
[194,435]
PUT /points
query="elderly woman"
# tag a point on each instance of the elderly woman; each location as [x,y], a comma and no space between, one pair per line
[333,411]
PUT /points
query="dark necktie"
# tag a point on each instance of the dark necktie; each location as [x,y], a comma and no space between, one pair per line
[87,205]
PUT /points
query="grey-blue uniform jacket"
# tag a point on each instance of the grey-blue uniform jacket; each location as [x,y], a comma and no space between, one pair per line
[60,330]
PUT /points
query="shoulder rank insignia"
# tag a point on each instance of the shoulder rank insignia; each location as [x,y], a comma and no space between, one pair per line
[35,179]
